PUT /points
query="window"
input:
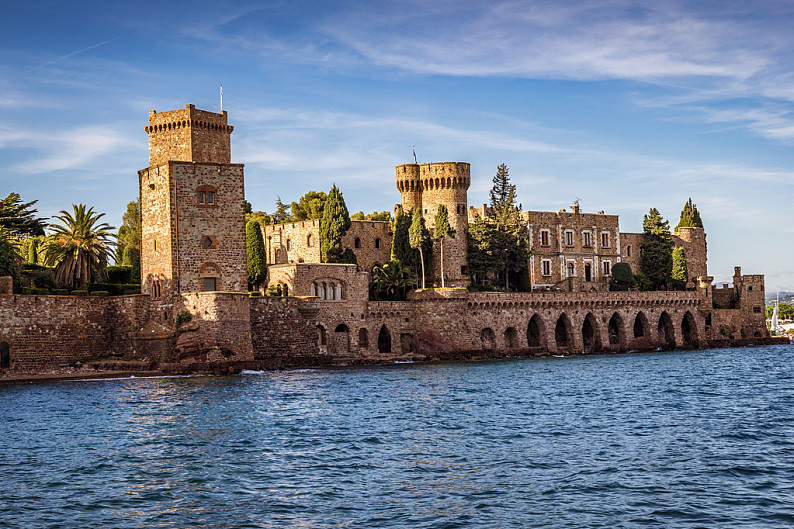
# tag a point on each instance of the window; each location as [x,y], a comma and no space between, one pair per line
[289,245]
[545,267]
[628,251]
[377,243]
[544,237]
[309,240]
[206,196]
[606,266]
[569,238]
[605,239]
[757,309]
[357,242]
[570,269]
[208,242]
[586,240]
[210,284]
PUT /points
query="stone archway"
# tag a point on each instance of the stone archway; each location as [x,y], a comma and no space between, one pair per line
[488,338]
[363,338]
[689,336]
[340,342]
[5,355]
[511,338]
[665,331]
[591,339]
[642,329]
[562,332]
[321,336]
[384,340]
[535,332]
[617,332]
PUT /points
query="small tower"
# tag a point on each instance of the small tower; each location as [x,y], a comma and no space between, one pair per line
[426,187]
[192,206]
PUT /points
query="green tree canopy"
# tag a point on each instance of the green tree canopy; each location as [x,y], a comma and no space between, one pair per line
[657,249]
[376,215]
[679,276]
[282,212]
[482,260]
[10,260]
[79,247]
[622,278]
[504,211]
[333,226]
[18,217]
[255,253]
[690,216]
[391,281]
[129,234]
[441,230]
[309,206]
[401,246]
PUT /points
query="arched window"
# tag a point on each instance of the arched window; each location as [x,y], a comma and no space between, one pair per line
[570,268]
[331,291]
[357,242]
[339,291]
[289,245]
[309,240]
[313,289]
[286,290]
[321,291]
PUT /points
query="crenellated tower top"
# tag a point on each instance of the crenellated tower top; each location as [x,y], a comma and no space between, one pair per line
[188,135]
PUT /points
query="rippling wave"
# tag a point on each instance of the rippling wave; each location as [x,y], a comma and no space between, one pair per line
[686,439]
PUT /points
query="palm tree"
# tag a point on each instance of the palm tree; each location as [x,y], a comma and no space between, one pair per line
[79,247]
[391,279]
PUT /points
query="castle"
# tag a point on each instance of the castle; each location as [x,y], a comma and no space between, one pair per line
[193,262]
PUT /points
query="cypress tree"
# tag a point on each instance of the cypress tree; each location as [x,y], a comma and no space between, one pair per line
[401,246]
[418,237]
[690,216]
[255,253]
[33,256]
[657,249]
[333,226]
[679,275]
[441,230]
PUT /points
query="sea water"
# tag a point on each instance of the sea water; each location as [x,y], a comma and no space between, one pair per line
[679,439]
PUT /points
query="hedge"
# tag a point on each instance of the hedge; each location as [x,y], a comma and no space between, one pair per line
[100,293]
[119,274]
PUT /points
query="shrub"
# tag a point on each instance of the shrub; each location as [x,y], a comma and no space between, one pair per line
[59,292]
[39,291]
[113,288]
[79,292]
[621,277]
[255,294]
[643,282]
[183,317]
[119,274]
[131,288]
[100,293]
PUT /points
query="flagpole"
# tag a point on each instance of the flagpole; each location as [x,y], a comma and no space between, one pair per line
[221,99]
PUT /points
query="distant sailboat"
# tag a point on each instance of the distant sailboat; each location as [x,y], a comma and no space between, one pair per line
[775,326]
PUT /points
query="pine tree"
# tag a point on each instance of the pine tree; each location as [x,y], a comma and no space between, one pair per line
[418,237]
[18,218]
[657,249]
[333,226]
[129,235]
[679,275]
[255,253]
[281,214]
[508,243]
[690,216]
[441,230]
[309,206]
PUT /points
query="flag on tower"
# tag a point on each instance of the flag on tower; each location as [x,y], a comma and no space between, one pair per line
[414,149]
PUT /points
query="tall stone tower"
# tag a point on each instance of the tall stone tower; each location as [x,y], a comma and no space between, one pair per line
[693,241]
[427,186]
[192,206]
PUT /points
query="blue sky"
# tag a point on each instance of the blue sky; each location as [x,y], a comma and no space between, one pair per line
[625,105]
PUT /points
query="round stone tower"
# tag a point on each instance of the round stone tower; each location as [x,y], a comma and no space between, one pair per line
[426,187]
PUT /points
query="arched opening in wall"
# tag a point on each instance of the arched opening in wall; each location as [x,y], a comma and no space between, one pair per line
[562,332]
[384,340]
[665,331]
[309,242]
[313,289]
[321,338]
[617,338]
[285,290]
[357,243]
[488,338]
[689,330]
[590,340]
[588,272]
[377,242]
[341,344]
[363,338]
[642,329]
[535,332]
[5,355]
[511,338]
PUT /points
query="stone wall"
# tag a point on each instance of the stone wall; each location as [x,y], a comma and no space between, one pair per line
[630,250]
[693,241]
[220,328]
[283,327]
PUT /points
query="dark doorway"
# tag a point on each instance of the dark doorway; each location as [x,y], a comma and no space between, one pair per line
[562,332]
[533,332]
[384,341]
[5,355]
[588,274]
[588,334]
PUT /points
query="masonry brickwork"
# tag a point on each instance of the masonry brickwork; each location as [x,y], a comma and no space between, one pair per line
[193,262]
